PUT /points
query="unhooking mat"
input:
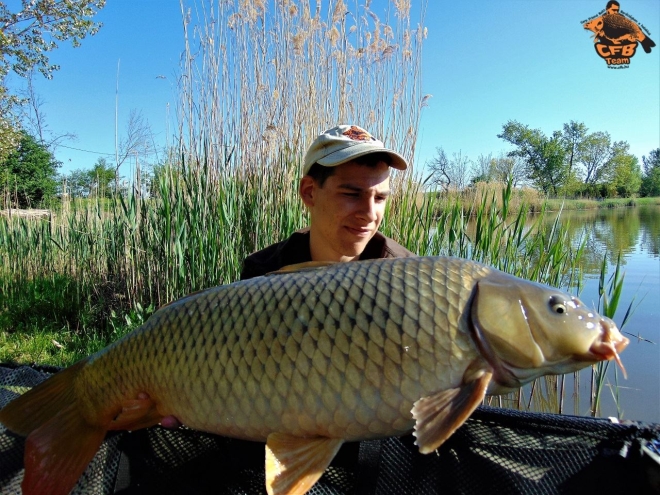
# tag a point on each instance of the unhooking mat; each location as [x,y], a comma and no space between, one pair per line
[496,451]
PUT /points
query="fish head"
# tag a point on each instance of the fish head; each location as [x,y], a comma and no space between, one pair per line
[526,330]
[594,25]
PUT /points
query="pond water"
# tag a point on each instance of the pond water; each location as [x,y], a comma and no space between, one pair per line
[635,233]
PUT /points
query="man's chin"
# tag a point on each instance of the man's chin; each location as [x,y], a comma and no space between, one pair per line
[354,249]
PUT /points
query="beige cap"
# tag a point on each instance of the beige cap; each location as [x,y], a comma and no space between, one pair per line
[345,143]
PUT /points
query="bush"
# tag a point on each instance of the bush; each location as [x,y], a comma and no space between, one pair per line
[28,175]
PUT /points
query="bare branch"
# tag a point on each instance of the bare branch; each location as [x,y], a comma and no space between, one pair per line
[137,142]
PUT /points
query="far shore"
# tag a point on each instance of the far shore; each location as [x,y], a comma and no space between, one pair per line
[588,204]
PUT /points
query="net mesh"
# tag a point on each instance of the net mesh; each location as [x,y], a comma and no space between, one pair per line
[496,450]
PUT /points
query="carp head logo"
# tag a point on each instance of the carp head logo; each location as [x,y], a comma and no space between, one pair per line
[358,134]
[616,35]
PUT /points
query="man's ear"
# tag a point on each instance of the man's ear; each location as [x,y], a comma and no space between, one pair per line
[307,189]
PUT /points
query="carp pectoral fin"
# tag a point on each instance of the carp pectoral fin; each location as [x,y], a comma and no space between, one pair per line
[294,464]
[136,414]
[57,452]
[439,415]
[303,267]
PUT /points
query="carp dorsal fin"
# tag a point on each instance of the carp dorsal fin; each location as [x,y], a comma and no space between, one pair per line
[186,297]
[303,267]
[439,415]
[294,464]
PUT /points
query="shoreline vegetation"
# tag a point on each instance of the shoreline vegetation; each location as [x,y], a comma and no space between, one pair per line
[75,282]
[531,200]
[590,204]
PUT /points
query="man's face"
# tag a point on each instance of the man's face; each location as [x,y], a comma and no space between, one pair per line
[347,211]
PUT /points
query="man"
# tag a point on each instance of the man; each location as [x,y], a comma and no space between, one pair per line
[612,7]
[345,186]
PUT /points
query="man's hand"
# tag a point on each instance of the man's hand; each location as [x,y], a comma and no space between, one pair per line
[167,421]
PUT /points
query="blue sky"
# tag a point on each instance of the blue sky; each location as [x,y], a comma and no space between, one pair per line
[484,63]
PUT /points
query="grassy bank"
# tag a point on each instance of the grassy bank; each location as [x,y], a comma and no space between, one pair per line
[531,200]
[588,204]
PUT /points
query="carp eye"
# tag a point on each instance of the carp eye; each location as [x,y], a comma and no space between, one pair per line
[557,306]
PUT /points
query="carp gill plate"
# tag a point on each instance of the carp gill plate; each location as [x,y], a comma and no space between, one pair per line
[311,357]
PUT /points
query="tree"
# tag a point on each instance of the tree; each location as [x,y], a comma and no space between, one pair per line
[100,177]
[77,183]
[439,168]
[9,123]
[138,141]
[620,174]
[27,37]
[595,156]
[29,173]
[543,156]
[573,135]
[483,169]
[624,175]
[33,119]
[449,173]
[650,185]
[96,181]
[627,176]
[508,168]
[502,169]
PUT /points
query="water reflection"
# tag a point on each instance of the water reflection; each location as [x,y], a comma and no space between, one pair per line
[635,233]
[621,230]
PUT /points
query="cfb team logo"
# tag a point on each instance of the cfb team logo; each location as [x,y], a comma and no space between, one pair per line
[616,35]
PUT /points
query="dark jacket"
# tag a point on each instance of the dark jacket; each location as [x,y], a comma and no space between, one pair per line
[295,249]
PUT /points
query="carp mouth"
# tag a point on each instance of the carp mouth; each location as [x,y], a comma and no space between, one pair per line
[609,345]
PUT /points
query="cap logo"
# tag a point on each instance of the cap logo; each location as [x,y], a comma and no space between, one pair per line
[357,134]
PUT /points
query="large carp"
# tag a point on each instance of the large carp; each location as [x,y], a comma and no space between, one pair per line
[312,357]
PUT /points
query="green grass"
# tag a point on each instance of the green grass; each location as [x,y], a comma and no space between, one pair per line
[43,346]
[588,204]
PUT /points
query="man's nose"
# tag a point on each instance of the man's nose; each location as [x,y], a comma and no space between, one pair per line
[368,210]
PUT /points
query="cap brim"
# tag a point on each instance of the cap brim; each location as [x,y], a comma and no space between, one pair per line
[347,154]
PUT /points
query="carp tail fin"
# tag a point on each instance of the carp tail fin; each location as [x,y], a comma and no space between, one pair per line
[57,453]
[647,44]
[60,442]
[41,403]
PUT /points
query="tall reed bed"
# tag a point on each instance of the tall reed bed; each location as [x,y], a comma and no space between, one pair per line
[133,253]
[524,198]
[260,78]
[491,227]
[73,283]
